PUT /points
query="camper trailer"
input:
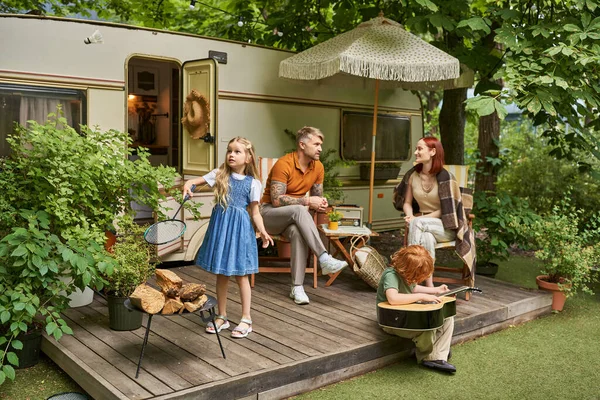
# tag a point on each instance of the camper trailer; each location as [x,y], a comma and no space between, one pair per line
[137,80]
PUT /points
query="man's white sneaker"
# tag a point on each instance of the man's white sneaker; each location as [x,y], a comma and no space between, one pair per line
[299,295]
[332,265]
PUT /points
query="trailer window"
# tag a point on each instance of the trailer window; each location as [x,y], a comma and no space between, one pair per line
[19,104]
[393,137]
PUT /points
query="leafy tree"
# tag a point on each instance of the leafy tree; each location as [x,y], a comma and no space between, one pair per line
[550,64]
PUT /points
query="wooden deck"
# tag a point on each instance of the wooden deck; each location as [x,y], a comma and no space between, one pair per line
[293,348]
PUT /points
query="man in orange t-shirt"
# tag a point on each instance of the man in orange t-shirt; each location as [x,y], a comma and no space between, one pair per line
[285,207]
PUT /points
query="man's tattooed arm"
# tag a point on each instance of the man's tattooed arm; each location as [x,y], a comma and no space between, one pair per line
[317,190]
[279,198]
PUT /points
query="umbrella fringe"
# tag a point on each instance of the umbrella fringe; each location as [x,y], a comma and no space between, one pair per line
[309,71]
[395,72]
[369,69]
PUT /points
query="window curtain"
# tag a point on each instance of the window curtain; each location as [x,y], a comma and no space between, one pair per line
[38,108]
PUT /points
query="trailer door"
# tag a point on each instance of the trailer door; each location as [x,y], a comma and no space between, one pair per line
[199,143]
[197,137]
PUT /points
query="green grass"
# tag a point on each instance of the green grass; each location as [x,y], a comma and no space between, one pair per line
[554,357]
[38,382]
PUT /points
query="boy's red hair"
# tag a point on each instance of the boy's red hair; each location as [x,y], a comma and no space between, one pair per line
[413,263]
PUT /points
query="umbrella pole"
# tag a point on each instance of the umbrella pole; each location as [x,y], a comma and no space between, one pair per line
[372,177]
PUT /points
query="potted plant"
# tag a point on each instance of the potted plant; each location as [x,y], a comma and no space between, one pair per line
[133,266]
[33,261]
[334,218]
[500,220]
[568,252]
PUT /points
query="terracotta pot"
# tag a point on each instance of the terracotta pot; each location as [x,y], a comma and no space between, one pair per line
[558,296]
[333,225]
[284,249]
[111,239]
[322,218]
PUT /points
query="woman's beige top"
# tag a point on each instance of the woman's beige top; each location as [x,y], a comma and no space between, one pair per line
[428,202]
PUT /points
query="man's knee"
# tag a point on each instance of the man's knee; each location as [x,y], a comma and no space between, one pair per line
[298,211]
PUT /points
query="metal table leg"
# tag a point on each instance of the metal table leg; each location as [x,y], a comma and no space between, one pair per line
[211,317]
[137,372]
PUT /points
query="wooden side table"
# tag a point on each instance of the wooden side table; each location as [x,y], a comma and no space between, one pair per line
[340,238]
[208,307]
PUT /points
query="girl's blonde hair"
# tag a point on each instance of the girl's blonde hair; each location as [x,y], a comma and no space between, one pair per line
[224,172]
[413,263]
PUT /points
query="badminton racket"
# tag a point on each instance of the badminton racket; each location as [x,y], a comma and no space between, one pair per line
[168,230]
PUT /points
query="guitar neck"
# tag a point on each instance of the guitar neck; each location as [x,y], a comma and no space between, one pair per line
[458,290]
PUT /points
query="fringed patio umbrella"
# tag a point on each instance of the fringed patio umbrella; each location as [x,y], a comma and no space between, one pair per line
[382,50]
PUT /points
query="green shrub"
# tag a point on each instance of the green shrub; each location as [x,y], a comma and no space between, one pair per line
[134,259]
[38,271]
[532,174]
[81,180]
[500,221]
[567,253]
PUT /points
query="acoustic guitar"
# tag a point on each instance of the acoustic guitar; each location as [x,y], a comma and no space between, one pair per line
[420,316]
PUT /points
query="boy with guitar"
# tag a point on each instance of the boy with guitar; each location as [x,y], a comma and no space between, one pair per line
[399,285]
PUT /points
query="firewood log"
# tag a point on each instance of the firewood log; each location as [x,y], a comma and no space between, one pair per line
[192,306]
[191,291]
[148,299]
[169,282]
[172,306]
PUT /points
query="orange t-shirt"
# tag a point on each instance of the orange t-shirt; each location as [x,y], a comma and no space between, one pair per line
[287,170]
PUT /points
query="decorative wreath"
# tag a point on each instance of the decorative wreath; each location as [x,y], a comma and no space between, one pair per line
[196,115]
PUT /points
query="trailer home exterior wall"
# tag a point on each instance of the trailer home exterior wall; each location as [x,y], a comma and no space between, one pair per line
[42,55]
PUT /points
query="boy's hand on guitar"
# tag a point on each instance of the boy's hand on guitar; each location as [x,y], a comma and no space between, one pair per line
[442,289]
[430,298]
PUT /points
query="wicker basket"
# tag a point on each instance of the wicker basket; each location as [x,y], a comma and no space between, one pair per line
[368,263]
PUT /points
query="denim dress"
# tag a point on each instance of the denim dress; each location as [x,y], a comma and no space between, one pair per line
[229,246]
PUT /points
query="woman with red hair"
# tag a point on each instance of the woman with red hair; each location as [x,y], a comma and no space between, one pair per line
[431,200]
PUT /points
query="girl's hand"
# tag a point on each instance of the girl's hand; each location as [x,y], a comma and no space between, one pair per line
[187,189]
[408,218]
[266,239]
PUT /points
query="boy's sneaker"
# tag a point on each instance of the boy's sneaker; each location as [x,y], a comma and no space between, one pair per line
[440,365]
[332,265]
[299,295]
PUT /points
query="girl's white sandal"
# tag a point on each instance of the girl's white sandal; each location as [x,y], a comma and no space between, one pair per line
[238,332]
[210,327]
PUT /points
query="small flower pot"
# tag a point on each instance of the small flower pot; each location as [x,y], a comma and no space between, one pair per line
[333,225]
[558,296]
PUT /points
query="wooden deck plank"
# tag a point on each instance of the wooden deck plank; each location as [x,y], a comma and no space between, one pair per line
[128,387]
[166,360]
[290,333]
[302,316]
[198,368]
[93,382]
[127,345]
[126,367]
